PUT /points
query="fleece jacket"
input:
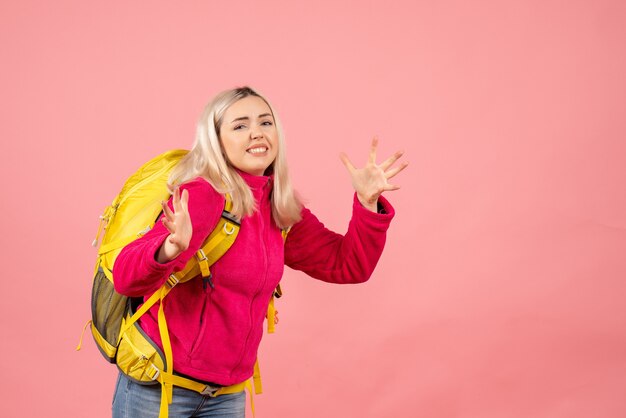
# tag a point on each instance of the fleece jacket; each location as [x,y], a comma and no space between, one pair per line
[215,332]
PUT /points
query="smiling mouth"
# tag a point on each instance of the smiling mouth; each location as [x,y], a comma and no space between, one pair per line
[257,150]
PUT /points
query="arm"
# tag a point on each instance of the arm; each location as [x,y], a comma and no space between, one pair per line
[328,256]
[137,271]
[331,257]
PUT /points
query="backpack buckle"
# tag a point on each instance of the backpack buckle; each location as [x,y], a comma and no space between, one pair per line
[209,390]
[156,374]
[172,280]
[203,262]
[229,231]
[200,255]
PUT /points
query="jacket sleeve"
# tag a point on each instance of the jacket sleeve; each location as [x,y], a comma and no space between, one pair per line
[331,257]
[136,271]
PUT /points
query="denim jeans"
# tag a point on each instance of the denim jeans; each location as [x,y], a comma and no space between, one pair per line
[132,400]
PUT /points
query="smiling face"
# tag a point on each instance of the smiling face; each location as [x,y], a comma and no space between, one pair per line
[248,135]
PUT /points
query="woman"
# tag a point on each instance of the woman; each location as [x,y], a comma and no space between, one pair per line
[215,330]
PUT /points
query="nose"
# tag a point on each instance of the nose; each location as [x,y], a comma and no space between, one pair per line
[256,133]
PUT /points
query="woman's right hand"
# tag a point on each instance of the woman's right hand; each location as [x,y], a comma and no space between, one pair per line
[178,223]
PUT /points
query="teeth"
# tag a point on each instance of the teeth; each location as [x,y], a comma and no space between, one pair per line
[257,150]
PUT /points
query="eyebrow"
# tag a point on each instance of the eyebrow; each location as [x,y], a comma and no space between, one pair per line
[247,118]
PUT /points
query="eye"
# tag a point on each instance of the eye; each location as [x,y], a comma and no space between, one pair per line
[237,127]
[267,123]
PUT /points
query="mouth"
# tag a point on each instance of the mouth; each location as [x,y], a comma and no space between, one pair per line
[261,149]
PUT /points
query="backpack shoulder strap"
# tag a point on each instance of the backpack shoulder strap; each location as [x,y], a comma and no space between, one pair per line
[218,242]
[215,246]
[272,313]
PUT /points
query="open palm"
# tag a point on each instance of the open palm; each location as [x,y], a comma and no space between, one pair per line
[372,180]
[178,223]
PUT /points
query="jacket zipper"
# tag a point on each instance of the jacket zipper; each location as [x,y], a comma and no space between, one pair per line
[257,293]
[208,280]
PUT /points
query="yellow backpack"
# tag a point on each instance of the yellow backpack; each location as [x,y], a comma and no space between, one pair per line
[114,317]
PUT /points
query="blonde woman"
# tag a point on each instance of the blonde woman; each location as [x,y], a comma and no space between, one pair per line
[216,327]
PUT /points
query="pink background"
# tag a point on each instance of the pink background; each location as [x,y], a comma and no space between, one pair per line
[501,289]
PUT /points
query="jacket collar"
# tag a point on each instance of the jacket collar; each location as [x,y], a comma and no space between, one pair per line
[256,182]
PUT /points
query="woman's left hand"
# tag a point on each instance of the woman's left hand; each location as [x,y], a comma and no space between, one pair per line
[372,180]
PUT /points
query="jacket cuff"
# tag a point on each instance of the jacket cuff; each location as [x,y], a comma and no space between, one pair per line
[152,262]
[383,216]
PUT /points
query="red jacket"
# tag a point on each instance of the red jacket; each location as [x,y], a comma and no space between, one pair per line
[215,332]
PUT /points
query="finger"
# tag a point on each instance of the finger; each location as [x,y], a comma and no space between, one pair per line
[184,201]
[389,161]
[346,161]
[390,188]
[168,225]
[176,199]
[167,211]
[373,150]
[389,174]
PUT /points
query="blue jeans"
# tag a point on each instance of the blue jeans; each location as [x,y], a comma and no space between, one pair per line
[132,400]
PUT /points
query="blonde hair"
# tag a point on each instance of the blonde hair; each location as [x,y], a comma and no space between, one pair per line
[206,159]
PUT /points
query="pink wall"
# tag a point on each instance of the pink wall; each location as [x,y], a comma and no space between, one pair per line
[500,293]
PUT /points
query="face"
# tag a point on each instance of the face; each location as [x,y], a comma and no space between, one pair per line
[248,135]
